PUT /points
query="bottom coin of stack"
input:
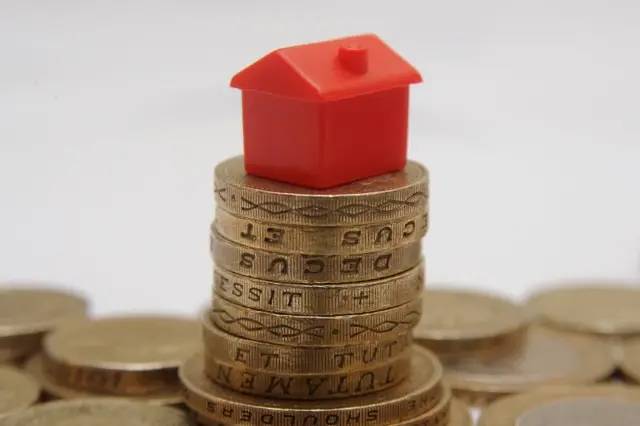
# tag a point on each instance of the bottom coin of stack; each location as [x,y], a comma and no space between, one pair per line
[130,357]
[421,399]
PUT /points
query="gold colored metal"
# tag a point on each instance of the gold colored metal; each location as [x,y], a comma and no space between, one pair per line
[387,197]
[14,349]
[298,268]
[308,386]
[630,364]
[548,357]
[319,299]
[35,368]
[320,240]
[278,359]
[460,414]
[97,412]
[137,355]
[418,394]
[26,314]
[455,321]
[584,406]
[610,309]
[17,391]
[310,330]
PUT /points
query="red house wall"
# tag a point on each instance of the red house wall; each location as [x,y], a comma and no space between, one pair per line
[322,144]
[366,135]
[281,137]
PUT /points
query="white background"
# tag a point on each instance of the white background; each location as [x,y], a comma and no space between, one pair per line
[113,115]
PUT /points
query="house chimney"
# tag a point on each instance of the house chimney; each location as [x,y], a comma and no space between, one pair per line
[354,59]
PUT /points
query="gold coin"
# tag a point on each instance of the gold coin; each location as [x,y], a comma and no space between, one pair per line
[97,412]
[17,391]
[460,414]
[631,359]
[308,386]
[36,369]
[448,412]
[606,309]
[547,357]
[324,299]
[298,268]
[439,415]
[411,398]
[14,349]
[456,321]
[582,406]
[324,240]
[27,313]
[277,359]
[314,330]
[386,197]
[137,355]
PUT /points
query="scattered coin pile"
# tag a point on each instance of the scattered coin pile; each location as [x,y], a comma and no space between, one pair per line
[315,295]
[490,347]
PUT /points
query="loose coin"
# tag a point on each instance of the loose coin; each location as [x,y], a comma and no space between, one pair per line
[137,355]
[455,321]
[460,414]
[578,406]
[606,309]
[325,240]
[319,299]
[299,268]
[35,368]
[97,412]
[278,359]
[631,359]
[26,314]
[310,330]
[411,398]
[547,357]
[387,197]
[17,391]
[308,386]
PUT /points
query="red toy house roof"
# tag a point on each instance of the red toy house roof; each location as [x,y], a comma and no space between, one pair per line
[328,70]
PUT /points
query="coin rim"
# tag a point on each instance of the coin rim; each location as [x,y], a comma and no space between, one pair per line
[77,362]
[35,368]
[339,322]
[79,302]
[600,363]
[519,318]
[536,305]
[402,279]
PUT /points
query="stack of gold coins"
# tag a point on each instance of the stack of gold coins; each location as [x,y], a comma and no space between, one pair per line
[315,295]
[133,357]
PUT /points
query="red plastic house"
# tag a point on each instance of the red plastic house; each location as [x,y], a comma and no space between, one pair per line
[324,114]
